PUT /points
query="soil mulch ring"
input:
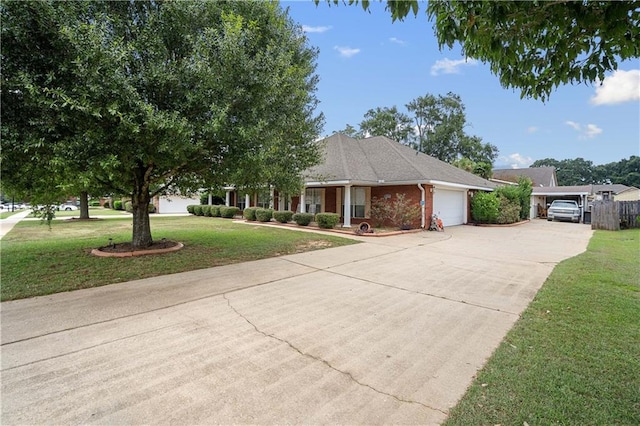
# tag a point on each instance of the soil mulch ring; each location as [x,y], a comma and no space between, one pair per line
[127,250]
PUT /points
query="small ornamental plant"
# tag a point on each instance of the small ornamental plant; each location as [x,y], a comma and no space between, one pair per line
[327,220]
[303,219]
[264,215]
[283,216]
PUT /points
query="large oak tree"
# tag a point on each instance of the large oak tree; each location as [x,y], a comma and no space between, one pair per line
[147,98]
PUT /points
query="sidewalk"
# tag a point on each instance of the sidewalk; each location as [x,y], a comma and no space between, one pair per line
[7,224]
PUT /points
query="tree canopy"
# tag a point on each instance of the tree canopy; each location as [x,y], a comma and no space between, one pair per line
[434,125]
[533,46]
[149,98]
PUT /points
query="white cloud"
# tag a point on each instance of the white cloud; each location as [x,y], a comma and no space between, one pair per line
[517,161]
[532,129]
[346,52]
[447,66]
[397,41]
[589,131]
[573,124]
[310,29]
[619,87]
[592,130]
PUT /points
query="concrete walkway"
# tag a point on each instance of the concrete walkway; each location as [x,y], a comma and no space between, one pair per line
[390,331]
[7,224]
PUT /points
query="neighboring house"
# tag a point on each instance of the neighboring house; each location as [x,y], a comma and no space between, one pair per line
[173,203]
[540,176]
[545,189]
[356,171]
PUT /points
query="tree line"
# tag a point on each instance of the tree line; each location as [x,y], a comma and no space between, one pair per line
[579,171]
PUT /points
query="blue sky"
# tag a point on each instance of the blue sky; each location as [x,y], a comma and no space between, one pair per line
[366,61]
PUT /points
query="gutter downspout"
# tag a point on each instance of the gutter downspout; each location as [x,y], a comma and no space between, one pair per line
[422,206]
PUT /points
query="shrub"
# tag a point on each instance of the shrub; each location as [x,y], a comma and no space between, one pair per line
[484,207]
[249,213]
[303,219]
[197,210]
[264,215]
[206,210]
[509,211]
[283,216]
[215,210]
[94,203]
[404,212]
[117,205]
[380,211]
[228,212]
[327,220]
[525,187]
[152,208]
[106,205]
[190,208]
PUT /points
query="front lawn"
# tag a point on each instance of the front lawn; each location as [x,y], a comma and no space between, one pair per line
[573,358]
[38,261]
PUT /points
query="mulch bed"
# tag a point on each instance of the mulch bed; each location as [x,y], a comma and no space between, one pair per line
[128,247]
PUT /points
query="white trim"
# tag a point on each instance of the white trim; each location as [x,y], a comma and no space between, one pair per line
[396,183]
[347,207]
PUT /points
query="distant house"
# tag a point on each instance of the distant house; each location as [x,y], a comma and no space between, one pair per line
[356,171]
[545,189]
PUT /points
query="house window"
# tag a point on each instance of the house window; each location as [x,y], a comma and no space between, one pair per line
[313,200]
[358,202]
[263,201]
[240,201]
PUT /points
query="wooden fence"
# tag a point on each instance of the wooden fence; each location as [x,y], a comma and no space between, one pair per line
[615,215]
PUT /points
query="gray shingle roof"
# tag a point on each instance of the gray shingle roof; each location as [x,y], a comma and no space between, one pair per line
[540,176]
[379,159]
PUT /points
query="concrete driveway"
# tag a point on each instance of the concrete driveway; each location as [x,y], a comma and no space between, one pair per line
[390,331]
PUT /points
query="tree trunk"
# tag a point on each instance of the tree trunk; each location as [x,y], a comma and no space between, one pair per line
[84,205]
[141,226]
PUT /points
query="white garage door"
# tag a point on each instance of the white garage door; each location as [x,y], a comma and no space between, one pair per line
[449,206]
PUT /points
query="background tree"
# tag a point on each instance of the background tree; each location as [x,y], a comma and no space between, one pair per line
[440,122]
[349,130]
[155,97]
[387,122]
[579,171]
[534,46]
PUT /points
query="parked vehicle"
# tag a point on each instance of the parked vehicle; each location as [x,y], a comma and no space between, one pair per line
[67,207]
[564,210]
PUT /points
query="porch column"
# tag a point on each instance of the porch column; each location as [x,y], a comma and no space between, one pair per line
[247,201]
[271,196]
[303,208]
[347,207]
[210,199]
[280,202]
[227,198]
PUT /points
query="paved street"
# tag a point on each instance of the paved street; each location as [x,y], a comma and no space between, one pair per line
[389,331]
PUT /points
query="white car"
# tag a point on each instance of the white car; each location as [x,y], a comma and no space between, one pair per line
[564,210]
[67,207]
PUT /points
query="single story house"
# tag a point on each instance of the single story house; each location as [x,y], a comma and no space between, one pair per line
[545,189]
[356,171]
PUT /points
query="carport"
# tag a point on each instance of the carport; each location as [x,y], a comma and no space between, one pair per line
[542,197]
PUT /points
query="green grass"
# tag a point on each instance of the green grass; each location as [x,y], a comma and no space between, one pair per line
[38,261]
[574,356]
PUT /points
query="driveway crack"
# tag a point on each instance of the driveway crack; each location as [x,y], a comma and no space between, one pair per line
[328,364]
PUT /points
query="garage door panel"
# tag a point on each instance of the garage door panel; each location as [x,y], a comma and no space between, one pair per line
[449,206]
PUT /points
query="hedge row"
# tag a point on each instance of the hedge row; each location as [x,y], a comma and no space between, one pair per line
[324,220]
[213,211]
